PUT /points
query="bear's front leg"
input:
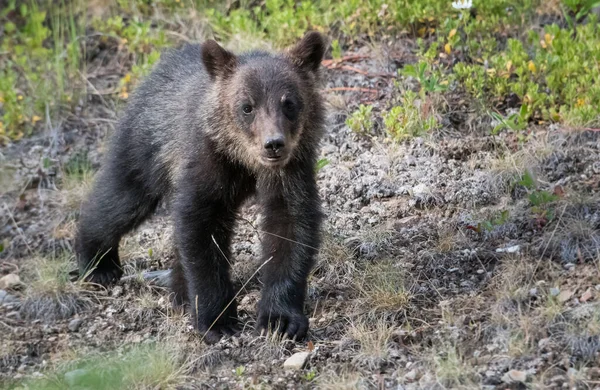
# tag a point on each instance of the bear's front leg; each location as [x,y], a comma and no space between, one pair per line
[291,237]
[203,229]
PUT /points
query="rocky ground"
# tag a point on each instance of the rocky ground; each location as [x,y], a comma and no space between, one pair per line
[438,268]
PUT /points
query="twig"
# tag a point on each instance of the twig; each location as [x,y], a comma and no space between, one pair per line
[232,299]
[276,235]
[352,89]
[19,231]
[347,58]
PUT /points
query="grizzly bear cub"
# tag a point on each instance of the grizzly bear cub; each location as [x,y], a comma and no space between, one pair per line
[207,129]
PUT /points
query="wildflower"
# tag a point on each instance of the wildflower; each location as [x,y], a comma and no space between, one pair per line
[447,48]
[531,66]
[20,97]
[35,119]
[452,33]
[462,4]
[124,94]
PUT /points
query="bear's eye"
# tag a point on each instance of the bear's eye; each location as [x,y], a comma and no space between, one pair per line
[247,109]
[289,109]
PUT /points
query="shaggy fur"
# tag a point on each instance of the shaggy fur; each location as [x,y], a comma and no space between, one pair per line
[208,129]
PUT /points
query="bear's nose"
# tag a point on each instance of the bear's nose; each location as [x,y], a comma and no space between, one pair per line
[274,143]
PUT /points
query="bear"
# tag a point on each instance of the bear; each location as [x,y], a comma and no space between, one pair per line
[206,130]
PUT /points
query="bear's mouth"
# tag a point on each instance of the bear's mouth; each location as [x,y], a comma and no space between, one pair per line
[273,161]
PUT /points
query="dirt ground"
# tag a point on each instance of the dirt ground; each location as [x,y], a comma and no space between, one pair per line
[436,269]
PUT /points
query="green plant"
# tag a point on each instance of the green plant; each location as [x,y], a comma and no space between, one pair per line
[309,376]
[239,371]
[321,164]
[516,122]
[498,219]
[540,200]
[336,50]
[361,120]
[413,118]
[429,81]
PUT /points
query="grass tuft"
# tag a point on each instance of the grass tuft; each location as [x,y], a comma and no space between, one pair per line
[383,287]
[50,294]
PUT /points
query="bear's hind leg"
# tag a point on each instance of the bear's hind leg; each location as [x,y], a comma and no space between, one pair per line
[115,206]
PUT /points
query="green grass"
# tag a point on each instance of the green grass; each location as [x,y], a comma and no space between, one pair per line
[154,365]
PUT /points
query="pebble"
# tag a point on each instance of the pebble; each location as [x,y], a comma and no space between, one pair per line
[9,281]
[533,292]
[420,190]
[514,376]
[296,361]
[586,295]
[75,324]
[411,375]
[569,266]
[6,298]
[510,249]
[565,295]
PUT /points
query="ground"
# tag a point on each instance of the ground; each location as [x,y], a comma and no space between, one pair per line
[461,247]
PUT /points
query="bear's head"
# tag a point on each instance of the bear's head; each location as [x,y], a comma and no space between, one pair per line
[270,100]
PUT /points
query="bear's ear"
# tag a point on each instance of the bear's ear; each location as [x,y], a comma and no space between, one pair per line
[308,53]
[217,61]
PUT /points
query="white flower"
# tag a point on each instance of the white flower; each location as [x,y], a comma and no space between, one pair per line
[462,4]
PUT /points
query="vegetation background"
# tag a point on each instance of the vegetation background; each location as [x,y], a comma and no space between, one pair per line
[460,174]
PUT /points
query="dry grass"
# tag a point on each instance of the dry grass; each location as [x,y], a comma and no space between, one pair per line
[373,337]
[77,178]
[514,279]
[575,238]
[383,287]
[450,368]
[341,379]
[50,294]
[509,167]
[336,263]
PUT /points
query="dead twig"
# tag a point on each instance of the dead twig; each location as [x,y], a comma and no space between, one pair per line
[352,89]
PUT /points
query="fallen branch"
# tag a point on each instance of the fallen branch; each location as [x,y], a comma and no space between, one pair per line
[348,58]
[352,89]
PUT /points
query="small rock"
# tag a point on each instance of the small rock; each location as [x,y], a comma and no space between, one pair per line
[569,266]
[13,314]
[514,376]
[75,324]
[411,375]
[584,297]
[420,190]
[554,291]
[9,281]
[6,298]
[533,292]
[565,295]
[510,249]
[117,291]
[543,343]
[296,361]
